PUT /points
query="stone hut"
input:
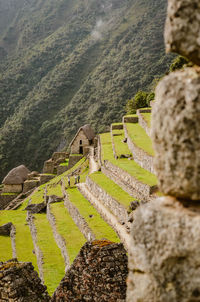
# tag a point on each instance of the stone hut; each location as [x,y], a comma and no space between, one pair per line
[83,139]
[13,182]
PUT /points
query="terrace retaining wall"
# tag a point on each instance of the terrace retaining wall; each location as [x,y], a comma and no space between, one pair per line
[140,156]
[98,273]
[116,208]
[5,200]
[128,183]
[144,124]
[19,282]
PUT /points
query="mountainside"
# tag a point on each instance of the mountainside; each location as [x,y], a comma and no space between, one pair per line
[68,62]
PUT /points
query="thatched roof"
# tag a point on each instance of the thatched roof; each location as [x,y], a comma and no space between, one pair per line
[16,176]
[88,131]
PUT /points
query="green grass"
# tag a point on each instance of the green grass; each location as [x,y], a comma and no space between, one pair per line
[131,115]
[10,194]
[139,137]
[24,244]
[116,124]
[120,147]
[54,190]
[147,118]
[68,230]
[65,164]
[112,188]
[5,248]
[130,166]
[53,267]
[99,227]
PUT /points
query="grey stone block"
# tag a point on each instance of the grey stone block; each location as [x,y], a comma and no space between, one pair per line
[175,134]
[182,28]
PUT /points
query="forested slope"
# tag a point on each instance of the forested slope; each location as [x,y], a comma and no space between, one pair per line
[69,62]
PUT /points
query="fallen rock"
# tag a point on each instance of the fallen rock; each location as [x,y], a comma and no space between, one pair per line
[175,134]
[182,28]
[36,208]
[6,229]
[54,198]
[164,262]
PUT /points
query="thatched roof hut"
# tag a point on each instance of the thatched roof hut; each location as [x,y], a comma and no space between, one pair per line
[16,176]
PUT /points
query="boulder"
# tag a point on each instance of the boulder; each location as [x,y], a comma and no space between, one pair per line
[182,28]
[6,229]
[164,262]
[37,208]
[175,134]
[16,176]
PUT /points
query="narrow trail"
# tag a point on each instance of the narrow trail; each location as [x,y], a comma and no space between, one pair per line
[94,167]
[106,214]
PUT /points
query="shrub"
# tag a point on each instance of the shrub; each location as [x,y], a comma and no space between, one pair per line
[141,99]
[178,63]
[150,97]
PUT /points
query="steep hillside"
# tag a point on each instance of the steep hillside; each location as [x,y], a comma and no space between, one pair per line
[65,63]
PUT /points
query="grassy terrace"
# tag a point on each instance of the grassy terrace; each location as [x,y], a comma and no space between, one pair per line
[24,244]
[52,186]
[5,248]
[139,137]
[120,147]
[112,188]
[68,230]
[53,267]
[147,118]
[129,166]
[99,227]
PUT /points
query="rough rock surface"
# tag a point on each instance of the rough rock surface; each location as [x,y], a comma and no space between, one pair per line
[98,274]
[6,229]
[182,28]
[19,282]
[37,208]
[164,262]
[175,134]
[16,176]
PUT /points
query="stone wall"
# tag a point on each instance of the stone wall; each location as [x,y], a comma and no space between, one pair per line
[144,124]
[12,188]
[5,200]
[19,282]
[76,143]
[116,208]
[98,274]
[130,119]
[117,126]
[73,159]
[140,156]
[131,185]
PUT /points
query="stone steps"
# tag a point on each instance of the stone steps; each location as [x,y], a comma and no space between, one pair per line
[141,154]
[106,214]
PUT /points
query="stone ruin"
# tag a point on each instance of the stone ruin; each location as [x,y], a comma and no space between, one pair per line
[164,260]
[19,282]
[98,274]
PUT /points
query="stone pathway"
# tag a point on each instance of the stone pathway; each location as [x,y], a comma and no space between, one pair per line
[106,214]
[94,167]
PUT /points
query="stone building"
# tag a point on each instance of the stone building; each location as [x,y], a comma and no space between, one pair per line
[83,139]
[13,182]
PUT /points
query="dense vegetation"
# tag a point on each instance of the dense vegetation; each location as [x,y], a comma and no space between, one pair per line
[67,62]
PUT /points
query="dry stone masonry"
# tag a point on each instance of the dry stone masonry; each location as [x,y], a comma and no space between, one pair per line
[182,28]
[98,274]
[19,282]
[164,257]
